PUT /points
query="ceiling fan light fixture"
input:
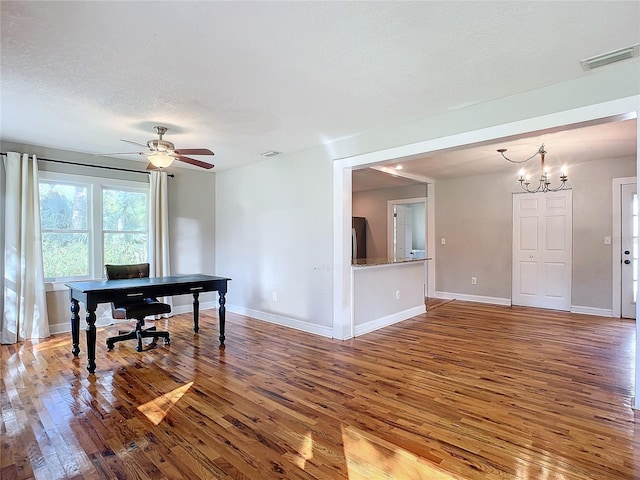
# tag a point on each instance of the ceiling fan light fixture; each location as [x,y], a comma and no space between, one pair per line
[160,159]
[161,153]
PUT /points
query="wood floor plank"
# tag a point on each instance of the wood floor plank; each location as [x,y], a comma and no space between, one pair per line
[464,391]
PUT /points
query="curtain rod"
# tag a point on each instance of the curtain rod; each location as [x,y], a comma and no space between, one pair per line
[95,166]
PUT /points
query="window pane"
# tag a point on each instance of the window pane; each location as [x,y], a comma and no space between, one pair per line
[65,254]
[122,248]
[63,207]
[124,211]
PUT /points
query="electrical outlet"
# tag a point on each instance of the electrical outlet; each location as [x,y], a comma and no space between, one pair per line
[473,280]
[397,294]
[443,241]
[274,295]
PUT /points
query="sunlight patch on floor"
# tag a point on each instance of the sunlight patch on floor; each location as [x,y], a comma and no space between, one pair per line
[157,409]
[371,457]
[305,451]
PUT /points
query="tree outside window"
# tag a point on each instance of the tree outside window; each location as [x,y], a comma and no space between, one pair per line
[65,233]
[125,226]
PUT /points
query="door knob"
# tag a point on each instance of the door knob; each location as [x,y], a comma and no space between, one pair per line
[627,262]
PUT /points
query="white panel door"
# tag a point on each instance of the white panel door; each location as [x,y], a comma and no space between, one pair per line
[542,245]
[629,257]
[403,231]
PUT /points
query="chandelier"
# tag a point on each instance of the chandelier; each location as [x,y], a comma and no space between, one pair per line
[544,184]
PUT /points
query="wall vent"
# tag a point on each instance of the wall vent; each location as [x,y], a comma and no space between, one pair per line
[610,57]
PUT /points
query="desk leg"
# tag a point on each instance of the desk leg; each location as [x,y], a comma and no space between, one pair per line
[196,312]
[75,327]
[91,340]
[221,313]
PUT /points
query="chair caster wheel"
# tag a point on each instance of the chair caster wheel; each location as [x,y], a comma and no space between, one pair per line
[167,341]
[109,346]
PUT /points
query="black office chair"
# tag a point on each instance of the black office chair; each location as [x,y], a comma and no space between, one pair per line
[136,309]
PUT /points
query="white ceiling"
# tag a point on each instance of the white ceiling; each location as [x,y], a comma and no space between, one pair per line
[242,78]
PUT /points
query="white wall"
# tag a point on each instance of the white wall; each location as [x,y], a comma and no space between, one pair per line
[386,294]
[192,230]
[273,224]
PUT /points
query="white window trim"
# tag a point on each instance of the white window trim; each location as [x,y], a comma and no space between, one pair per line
[95,185]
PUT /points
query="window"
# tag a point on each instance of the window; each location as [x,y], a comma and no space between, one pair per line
[124,226]
[87,222]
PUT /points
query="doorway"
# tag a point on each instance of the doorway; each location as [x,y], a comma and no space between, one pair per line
[624,247]
[407,228]
[629,261]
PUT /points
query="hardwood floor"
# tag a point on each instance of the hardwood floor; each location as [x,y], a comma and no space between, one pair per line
[465,391]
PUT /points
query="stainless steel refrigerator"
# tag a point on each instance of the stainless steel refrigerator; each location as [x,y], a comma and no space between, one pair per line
[358,237]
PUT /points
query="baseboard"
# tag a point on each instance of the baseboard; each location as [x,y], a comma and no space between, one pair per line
[188,308]
[599,312]
[473,298]
[66,326]
[280,320]
[327,331]
[106,321]
[388,320]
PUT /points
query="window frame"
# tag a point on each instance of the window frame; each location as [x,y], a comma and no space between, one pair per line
[95,226]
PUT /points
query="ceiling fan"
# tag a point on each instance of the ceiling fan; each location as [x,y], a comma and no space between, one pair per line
[161,153]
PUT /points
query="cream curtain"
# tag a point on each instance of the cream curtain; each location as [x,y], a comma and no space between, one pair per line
[159,227]
[23,290]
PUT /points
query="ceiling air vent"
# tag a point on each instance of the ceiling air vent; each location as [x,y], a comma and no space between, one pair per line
[270,153]
[610,57]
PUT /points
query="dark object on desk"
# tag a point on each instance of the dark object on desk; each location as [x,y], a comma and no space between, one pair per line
[93,292]
[137,308]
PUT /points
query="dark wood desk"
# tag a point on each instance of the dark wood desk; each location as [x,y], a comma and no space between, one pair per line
[92,293]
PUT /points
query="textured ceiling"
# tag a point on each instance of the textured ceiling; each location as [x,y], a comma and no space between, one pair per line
[242,78]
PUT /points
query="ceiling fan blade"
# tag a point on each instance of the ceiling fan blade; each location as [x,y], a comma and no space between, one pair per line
[194,151]
[195,162]
[135,143]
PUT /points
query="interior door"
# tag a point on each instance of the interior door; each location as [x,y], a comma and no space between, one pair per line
[542,250]
[629,253]
[403,231]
